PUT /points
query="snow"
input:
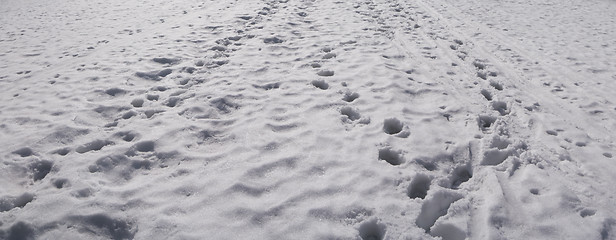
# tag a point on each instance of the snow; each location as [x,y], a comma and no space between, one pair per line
[307,119]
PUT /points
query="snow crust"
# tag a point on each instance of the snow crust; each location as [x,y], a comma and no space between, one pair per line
[307,119]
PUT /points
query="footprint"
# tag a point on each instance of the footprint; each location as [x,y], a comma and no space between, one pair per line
[486,94]
[460,174]
[273,40]
[164,60]
[119,167]
[144,146]
[224,105]
[496,85]
[101,225]
[436,207]
[325,73]
[110,111]
[419,186]
[501,107]
[268,86]
[137,102]
[40,169]
[608,230]
[60,183]
[253,191]
[427,164]
[235,38]
[219,48]
[350,97]
[372,230]
[160,88]
[24,152]
[493,157]
[580,144]
[152,97]
[320,84]
[392,126]
[93,146]
[20,230]
[485,122]
[129,114]
[587,212]
[172,102]
[350,113]
[7,202]
[183,81]
[479,65]
[218,63]
[390,156]
[154,75]
[126,135]
[83,193]
[533,107]
[448,231]
[482,75]
[62,151]
[115,91]
[150,113]
[329,55]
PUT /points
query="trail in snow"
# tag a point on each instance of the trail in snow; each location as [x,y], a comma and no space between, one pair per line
[289,119]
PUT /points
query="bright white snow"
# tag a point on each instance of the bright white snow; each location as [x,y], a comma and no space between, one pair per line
[307,119]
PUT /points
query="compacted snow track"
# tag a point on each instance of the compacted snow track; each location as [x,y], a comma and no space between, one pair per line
[292,119]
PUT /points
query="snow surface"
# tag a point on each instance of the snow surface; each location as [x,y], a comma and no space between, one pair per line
[307,119]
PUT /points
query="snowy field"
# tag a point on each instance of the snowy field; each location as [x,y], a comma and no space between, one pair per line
[308,119]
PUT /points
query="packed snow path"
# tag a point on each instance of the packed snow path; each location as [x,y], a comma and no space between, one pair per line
[300,119]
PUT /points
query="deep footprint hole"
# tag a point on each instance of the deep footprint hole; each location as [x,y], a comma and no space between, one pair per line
[390,156]
[460,175]
[392,126]
[419,187]
[434,208]
[372,230]
[485,122]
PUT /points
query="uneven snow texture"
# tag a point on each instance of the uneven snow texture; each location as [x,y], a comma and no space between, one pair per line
[307,119]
